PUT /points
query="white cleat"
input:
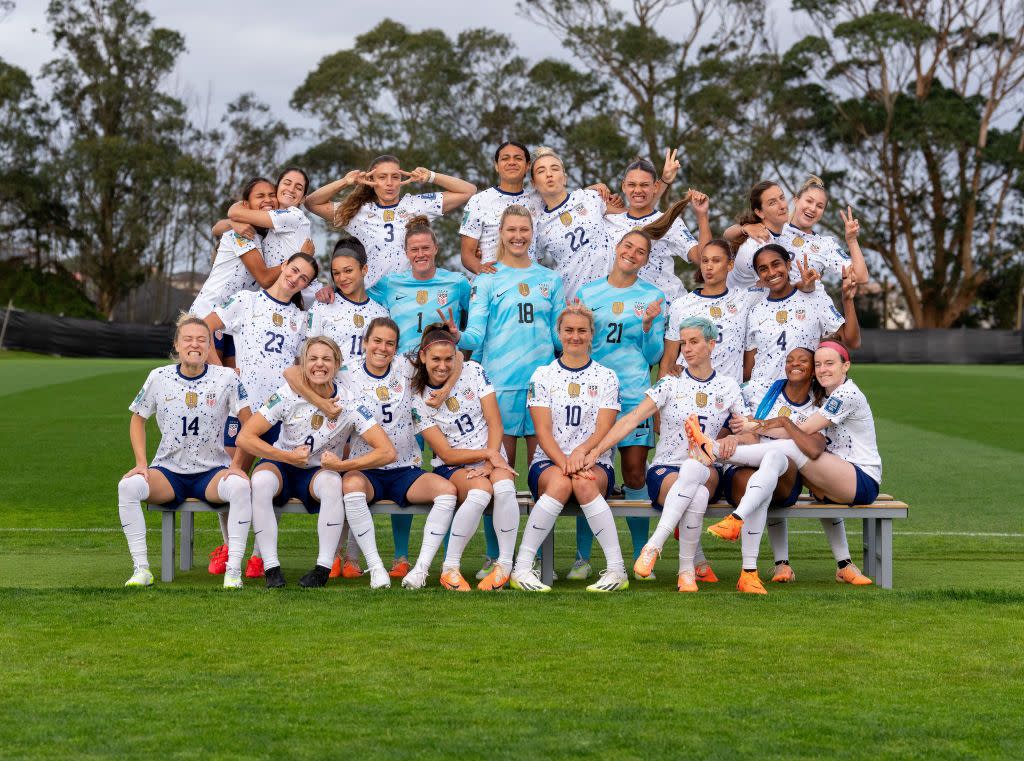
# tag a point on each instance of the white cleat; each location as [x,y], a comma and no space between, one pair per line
[379,578]
[232,579]
[528,582]
[141,578]
[415,579]
[580,570]
[485,569]
[610,581]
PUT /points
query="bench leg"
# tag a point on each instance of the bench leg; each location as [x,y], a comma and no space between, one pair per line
[188,523]
[167,546]
[547,558]
[884,579]
[870,547]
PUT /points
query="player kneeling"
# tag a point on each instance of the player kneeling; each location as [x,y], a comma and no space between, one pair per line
[304,464]
[192,402]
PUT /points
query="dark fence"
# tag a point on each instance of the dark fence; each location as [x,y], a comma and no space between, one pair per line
[72,337]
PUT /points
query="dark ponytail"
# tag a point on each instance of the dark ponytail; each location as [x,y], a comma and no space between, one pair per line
[659,228]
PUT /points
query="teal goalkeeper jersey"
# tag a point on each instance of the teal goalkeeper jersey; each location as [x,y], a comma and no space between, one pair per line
[413,303]
[511,326]
[620,343]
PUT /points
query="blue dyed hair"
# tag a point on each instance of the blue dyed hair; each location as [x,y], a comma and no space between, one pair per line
[703,324]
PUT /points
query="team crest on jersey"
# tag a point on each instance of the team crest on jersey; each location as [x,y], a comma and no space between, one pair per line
[358,320]
[719,403]
[639,308]
[421,297]
[702,399]
[524,289]
[469,395]
[617,307]
[389,215]
[452,404]
[798,241]
[731,308]
[832,406]
[383,394]
[581,209]
[316,421]
[232,429]
[277,319]
[544,290]
[574,390]
[592,391]
[815,248]
[191,399]
[211,399]
[801,314]
[781,316]
[785,412]
[565,218]
[716,312]
[293,324]
[442,298]
[396,385]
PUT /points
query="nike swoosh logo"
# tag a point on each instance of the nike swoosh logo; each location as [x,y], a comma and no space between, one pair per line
[333,524]
[434,533]
[363,534]
[753,533]
[698,526]
[453,534]
[257,533]
[125,525]
[506,530]
[777,523]
[598,533]
[836,523]
[536,527]
[399,297]
[244,523]
[502,293]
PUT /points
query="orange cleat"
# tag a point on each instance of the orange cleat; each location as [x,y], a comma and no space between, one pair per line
[218,560]
[644,565]
[495,579]
[335,568]
[254,569]
[686,582]
[851,575]
[452,579]
[784,574]
[400,568]
[350,569]
[750,583]
[702,448]
[728,528]
[704,573]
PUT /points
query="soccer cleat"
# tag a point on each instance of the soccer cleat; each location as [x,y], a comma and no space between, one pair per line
[528,582]
[783,574]
[218,561]
[400,568]
[652,577]
[232,580]
[315,578]
[485,569]
[142,577]
[686,581]
[335,568]
[415,579]
[350,569]
[275,577]
[702,448]
[495,580]
[610,581]
[452,579]
[379,578]
[644,565]
[851,574]
[750,583]
[704,573]
[254,568]
[728,528]
[580,570]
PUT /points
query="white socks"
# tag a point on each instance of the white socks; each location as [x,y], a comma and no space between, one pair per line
[130,493]
[751,455]
[222,521]
[506,520]
[835,530]
[778,535]
[327,488]
[690,527]
[602,523]
[464,525]
[436,526]
[539,523]
[692,475]
[360,526]
[236,491]
[264,522]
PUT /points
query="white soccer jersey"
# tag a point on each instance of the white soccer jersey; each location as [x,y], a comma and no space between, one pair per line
[712,400]
[345,322]
[852,432]
[573,237]
[482,218]
[191,413]
[660,269]
[574,398]
[302,424]
[823,252]
[461,417]
[291,230]
[381,229]
[228,274]
[777,326]
[796,410]
[729,313]
[268,335]
[389,397]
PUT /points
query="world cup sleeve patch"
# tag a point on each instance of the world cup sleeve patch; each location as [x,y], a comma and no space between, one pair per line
[367,415]
[832,406]
[242,393]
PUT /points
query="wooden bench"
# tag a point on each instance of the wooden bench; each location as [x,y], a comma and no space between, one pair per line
[877,518]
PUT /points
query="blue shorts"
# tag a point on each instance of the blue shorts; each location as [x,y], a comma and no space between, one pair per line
[656,475]
[225,344]
[725,489]
[515,416]
[233,425]
[642,435]
[533,477]
[392,483]
[188,485]
[867,490]
[295,483]
[447,471]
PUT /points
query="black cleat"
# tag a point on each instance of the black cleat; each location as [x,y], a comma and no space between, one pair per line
[275,579]
[315,578]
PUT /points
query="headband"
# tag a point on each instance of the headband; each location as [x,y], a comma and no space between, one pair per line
[428,344]
[840,349]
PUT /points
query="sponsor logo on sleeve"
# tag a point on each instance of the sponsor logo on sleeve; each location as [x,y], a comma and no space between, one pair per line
[273,401]
[140,395]
[428,196]
[832,405]
[366,414]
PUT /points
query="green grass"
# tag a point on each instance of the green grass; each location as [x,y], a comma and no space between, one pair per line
[931,669]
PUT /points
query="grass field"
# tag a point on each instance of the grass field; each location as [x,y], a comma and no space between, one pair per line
[931,669]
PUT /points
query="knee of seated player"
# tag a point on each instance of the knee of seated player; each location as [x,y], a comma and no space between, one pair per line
[327,481]
[558,487]
[354,481]
[265,481]
[585,491]
[482,484]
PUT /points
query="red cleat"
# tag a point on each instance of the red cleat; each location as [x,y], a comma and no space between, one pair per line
[254,569]
[218,561]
